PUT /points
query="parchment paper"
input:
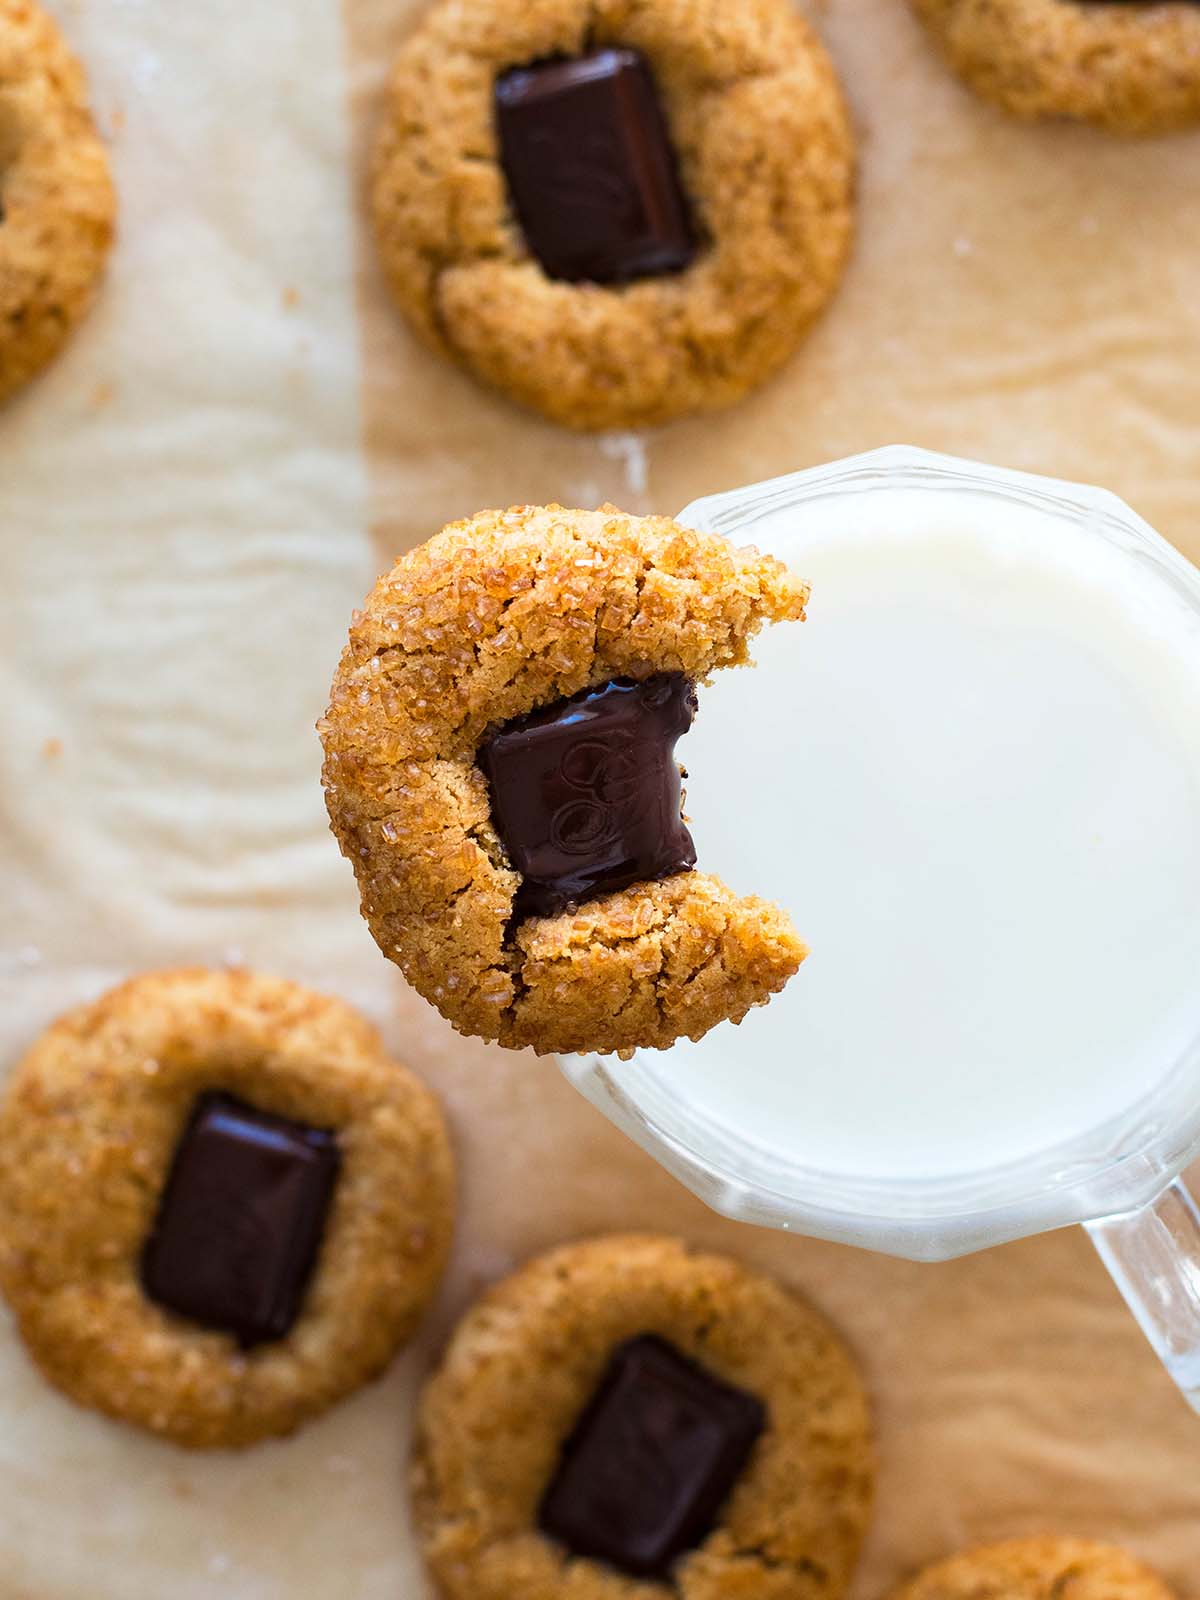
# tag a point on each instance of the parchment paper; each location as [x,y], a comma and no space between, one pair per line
[190,506]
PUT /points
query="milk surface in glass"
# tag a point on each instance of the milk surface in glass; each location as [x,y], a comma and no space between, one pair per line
[973,777]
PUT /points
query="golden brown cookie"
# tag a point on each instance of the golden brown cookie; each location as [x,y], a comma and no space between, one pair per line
[496,616]
[1131,67]
[766,160]
[89,1131]
[56,195]
[518,1384]
[1044,1568]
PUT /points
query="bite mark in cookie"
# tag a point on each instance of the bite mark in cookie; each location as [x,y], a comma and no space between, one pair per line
[499,617]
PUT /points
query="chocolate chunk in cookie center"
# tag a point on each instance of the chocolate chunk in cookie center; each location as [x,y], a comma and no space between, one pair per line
[651,1461]
[241,1220]
[591,170]
[586,793]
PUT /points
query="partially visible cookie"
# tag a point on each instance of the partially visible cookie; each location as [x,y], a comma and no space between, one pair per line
[596,1395]
[549,900]
[615,212]
[56,194]
[1130,67]
[1045,1568]
[222,1207]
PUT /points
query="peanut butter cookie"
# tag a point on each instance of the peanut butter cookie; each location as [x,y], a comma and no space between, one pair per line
[222,1207]
[56,195]
[615,212]
[626,1420]
[1131,67]
[1037,1569]
[498,770]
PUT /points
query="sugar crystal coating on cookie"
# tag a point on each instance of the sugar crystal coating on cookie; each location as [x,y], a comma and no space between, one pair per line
[241,1219]
[172,1136]
[588,160]
[503,615]
[655,1366]
[651,1461]
[615,214]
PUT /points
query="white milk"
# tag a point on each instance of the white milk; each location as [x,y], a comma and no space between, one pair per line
[973,777]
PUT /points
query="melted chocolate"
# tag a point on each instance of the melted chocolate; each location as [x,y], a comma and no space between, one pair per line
[586,793]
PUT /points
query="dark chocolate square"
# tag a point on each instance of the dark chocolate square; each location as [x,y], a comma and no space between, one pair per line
[651,1461]
[591,169]
[240,1220]
[586,793]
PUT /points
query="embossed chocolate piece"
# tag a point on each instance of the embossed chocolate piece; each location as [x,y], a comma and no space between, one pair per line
[586,792]
[591,170]
[240,1220]
[655,1455]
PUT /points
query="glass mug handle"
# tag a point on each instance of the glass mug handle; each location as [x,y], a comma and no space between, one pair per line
[1154,1257]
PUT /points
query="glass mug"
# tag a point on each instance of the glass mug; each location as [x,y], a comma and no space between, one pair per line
[1120,1178]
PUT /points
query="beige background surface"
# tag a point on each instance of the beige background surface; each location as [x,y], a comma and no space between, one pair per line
[187,516]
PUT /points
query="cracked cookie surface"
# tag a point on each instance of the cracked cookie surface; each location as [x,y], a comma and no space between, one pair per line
[524,1363]
[88,1129]
[56,194]
[766,155]
[494,617]
[1130,67]
[1045,1568]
